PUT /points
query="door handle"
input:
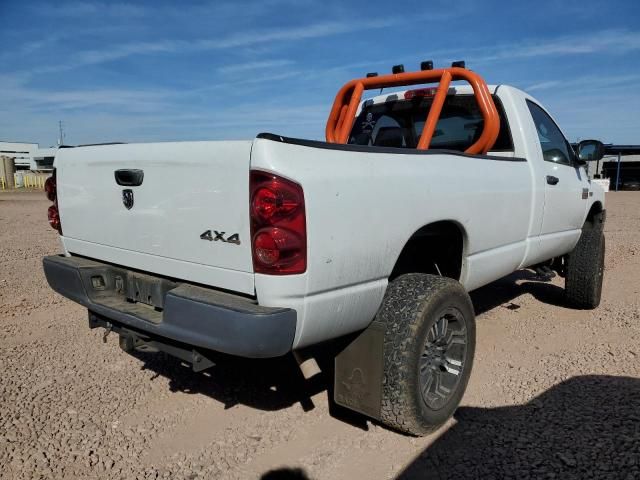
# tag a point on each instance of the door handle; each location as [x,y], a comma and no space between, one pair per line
[129,178]
[551,180]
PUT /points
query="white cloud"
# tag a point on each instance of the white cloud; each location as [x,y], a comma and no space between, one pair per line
[543,85]
[257,65]
[586,83]
[121,51]
[84,9]
[18,95]
[612,41]
[604,115]
[318,30]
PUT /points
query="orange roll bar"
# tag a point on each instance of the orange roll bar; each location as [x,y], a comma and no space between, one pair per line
[342,115]
[434,112]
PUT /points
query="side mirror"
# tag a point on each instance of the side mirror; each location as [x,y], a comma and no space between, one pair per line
[590,150]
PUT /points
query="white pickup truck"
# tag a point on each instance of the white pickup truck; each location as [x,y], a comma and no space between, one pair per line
[264,247]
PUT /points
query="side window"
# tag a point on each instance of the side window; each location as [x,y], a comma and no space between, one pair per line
[555,147]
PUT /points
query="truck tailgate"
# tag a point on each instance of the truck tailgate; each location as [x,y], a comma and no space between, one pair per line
[189,190]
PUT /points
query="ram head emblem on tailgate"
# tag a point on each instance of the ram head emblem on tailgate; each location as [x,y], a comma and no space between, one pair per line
[127,198]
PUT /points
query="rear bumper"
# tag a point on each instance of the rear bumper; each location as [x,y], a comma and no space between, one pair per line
[197,316]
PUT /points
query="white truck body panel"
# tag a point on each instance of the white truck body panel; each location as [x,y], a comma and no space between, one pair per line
[564,210]
[351,244]
[188,188]
[362,206]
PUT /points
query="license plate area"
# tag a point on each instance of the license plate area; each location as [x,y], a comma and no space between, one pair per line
[108,285]
[129,292]
[140,288]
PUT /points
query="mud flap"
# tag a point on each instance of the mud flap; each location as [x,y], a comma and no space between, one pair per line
[358,372]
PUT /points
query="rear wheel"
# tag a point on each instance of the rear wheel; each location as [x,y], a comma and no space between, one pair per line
[585,268]
[428,351]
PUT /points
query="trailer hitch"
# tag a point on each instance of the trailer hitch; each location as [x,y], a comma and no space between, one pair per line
[133,341]
[107,331]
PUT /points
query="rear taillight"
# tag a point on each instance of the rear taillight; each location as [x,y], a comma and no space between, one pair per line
[278,225]
[54,217]
[51,190]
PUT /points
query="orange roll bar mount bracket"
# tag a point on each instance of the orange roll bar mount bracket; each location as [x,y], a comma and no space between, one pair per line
[342,115]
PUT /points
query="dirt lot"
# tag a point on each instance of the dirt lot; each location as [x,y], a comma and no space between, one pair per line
[555,393]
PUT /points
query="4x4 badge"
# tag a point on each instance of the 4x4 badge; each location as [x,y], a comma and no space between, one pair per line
[207,235]
[127,198]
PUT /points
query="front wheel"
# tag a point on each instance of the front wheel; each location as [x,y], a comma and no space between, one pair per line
[429,345]
[585,269]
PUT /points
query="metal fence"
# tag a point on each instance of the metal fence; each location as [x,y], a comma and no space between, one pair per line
[31,180]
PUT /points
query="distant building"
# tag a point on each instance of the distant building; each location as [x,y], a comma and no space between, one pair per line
[624,172]
[42,159]
[22,152]
[28,156]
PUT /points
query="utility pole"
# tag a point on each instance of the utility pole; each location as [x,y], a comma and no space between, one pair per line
[618,171]
[61,137]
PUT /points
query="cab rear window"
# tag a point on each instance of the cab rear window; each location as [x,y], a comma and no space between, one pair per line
[399,123]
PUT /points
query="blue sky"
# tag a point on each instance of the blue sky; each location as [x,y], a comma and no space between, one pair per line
[161,70]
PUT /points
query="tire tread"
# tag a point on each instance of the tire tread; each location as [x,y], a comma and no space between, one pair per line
[583,284]
[406,299]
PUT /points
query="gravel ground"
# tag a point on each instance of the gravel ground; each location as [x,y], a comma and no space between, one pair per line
[555,392]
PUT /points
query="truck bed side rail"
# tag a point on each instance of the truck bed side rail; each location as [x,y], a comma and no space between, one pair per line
[343,111]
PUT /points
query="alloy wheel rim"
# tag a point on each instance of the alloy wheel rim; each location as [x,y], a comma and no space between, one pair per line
[443,358]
